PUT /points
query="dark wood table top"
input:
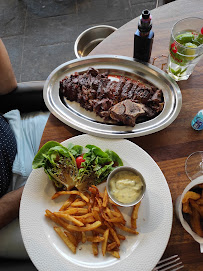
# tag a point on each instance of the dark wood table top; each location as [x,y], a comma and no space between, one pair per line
[171,146]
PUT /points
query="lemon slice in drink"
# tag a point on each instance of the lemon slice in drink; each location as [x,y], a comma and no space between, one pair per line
[190,52]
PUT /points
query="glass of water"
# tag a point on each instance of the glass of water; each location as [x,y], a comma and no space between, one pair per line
[185,48]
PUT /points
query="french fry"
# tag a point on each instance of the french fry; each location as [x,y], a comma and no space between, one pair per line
[69,218]
[200,201]
[99,230]
[78,204]
[134,215]
[119,212]
[94,246]
[105,198]
[50,215]
[187,208]
[68,202]
[190,195]
[114,254]
[95,213]
[65,238]
[71,237]
[195,222]
[112,219]
[104,243]
[197,207]
[99,201]
[110,200]
[56,219]
[95,239]
[120,236]
[111,246]
[113,233]
[84,238]
[126,229]
[192,204]
[78,236]
[74,211]
[89,227]
[93,189]
[80,217]
[74,192]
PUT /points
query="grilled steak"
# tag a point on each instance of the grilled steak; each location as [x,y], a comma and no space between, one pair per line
[126,112]
[125,102]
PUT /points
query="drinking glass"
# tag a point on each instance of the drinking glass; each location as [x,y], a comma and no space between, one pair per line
[194,166]
[186,47]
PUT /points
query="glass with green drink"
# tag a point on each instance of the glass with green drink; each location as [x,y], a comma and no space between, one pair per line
[186,47]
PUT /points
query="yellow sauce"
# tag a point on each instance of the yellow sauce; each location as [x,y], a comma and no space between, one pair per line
[126,186]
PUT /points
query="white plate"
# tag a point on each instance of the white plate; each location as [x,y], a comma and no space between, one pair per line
[140,252]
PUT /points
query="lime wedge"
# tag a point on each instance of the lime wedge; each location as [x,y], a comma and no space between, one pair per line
[184,38]
[190,52]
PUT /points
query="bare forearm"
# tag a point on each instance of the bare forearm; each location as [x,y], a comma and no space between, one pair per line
[9,206]
[7,77]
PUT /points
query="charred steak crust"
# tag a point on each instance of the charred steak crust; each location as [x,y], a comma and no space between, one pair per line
[125,102]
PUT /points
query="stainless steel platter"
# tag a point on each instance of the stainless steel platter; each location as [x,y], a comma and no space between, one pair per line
[76,117]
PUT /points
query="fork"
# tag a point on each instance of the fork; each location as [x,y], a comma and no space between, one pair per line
[172,263]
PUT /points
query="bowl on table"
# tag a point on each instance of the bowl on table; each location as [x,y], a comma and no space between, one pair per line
[184,217]
[90,38]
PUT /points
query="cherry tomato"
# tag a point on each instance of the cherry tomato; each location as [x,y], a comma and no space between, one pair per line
[79,160]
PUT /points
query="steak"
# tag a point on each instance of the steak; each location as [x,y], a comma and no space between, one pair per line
[127,112]
[125,102]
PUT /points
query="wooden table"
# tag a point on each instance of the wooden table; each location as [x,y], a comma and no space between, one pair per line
[169,147]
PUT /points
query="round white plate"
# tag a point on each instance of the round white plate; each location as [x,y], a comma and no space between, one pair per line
[141,252]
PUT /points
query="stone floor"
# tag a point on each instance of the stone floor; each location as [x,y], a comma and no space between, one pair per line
[40,34]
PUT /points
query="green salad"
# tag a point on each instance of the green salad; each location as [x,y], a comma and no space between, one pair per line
[72,166]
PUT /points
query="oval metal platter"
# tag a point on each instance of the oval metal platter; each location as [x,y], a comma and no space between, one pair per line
[72,114]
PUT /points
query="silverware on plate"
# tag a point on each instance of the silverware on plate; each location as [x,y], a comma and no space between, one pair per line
[172,263]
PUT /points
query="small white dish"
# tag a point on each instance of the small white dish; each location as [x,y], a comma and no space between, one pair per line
[179,212]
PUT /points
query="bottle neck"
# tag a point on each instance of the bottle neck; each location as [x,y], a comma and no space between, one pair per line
[144,34]
[145,25]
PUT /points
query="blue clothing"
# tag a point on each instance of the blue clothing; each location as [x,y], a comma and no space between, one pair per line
[28,131]
[8,150]
[19,139]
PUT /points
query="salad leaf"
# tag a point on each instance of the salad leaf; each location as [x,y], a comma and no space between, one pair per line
[76,150]
[58,163]
[97,151]
[114,157]
[39,159]
[97,166]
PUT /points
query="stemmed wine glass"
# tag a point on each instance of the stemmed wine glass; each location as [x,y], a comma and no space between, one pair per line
[194,165]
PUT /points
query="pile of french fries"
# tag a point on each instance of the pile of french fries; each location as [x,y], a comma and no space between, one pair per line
[192,204]
[92,217]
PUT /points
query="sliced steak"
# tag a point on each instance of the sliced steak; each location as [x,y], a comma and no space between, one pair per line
[121,101]
[126,112]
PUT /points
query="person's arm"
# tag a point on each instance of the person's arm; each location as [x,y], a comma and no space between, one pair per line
[7,77]
[9,206]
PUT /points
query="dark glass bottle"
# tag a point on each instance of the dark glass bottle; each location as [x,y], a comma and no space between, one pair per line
[143,38]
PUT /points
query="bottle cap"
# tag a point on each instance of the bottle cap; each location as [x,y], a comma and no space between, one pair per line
[145,14]
[145,21]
